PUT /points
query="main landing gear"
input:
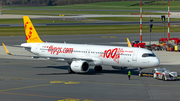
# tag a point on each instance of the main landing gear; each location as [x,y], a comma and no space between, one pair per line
[98,68]
[70,70]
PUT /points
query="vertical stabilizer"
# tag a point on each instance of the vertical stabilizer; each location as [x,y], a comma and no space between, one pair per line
[128,42]
[31,34]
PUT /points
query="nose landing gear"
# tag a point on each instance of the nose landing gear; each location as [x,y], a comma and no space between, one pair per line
[140,73]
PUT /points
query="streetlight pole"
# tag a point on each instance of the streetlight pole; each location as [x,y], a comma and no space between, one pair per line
[150,27]
[163,19]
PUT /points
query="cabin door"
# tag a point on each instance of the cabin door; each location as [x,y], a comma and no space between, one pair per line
[134,57]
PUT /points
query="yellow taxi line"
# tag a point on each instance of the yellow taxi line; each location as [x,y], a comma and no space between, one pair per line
[25,87]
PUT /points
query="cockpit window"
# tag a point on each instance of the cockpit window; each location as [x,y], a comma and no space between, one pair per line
[148,55]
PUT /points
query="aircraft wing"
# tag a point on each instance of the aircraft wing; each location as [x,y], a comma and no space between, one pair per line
[7,51]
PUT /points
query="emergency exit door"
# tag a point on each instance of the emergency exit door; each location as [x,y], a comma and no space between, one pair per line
[134,57]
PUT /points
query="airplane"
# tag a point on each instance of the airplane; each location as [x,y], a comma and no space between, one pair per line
[81,56]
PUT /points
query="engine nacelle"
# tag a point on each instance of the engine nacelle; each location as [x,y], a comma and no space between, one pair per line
[122,68]
[79,66]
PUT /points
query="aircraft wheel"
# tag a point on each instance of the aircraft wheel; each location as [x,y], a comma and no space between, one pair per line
[70,70]
[98,68]
[140,74]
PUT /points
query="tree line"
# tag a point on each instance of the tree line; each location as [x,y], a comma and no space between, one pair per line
[50,2]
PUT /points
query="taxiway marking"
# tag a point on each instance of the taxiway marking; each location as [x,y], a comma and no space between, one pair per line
[82,99]
[19,63]
[76,82]
[25,87]
[69,82]
[108,36]
[74,100]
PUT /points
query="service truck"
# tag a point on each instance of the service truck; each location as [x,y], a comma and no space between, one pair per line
[164,74]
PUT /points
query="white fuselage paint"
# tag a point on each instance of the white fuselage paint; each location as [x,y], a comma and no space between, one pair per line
[95,54]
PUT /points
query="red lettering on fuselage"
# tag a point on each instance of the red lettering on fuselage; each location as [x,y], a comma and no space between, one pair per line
[57,50]
[67,50]
[112,54]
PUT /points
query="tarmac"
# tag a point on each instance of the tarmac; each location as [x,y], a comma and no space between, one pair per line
[25,79]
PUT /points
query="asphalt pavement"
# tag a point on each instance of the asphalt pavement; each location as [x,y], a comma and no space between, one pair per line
[27,79]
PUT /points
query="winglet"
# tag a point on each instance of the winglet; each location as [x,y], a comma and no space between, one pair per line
[6,49]
[31,34]
[128,42]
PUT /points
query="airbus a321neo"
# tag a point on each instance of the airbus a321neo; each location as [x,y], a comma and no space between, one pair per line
[81,56]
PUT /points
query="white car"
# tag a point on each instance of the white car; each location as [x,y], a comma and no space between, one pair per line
[164,74]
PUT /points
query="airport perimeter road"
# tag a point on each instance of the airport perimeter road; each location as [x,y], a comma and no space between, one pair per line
[100,22]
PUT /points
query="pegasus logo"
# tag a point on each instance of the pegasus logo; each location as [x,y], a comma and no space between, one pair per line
[29,31]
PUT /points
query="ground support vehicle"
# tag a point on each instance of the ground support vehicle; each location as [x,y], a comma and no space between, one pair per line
[173,44]
[137,44]
[148,46]
[164,74]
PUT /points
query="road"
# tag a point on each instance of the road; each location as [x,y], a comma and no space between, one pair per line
[157,23]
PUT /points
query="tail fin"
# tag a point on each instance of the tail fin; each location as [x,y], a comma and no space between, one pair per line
[31,34]
[128,42]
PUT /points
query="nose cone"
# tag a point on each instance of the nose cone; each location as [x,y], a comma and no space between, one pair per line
[155,61]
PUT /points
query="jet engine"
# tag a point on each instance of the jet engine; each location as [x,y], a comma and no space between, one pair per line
[121,68]
[79,66]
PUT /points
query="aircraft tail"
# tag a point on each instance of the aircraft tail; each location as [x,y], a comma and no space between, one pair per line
[31,34]
[128,42]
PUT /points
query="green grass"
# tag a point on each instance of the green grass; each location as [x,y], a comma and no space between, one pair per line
[116,5]
[120,5]
[20,21]
[76,30]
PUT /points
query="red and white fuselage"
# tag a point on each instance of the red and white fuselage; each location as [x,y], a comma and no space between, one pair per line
[96,54]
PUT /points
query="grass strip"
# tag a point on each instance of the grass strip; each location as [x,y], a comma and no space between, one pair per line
[20,21]
[77,30]
[121,5]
